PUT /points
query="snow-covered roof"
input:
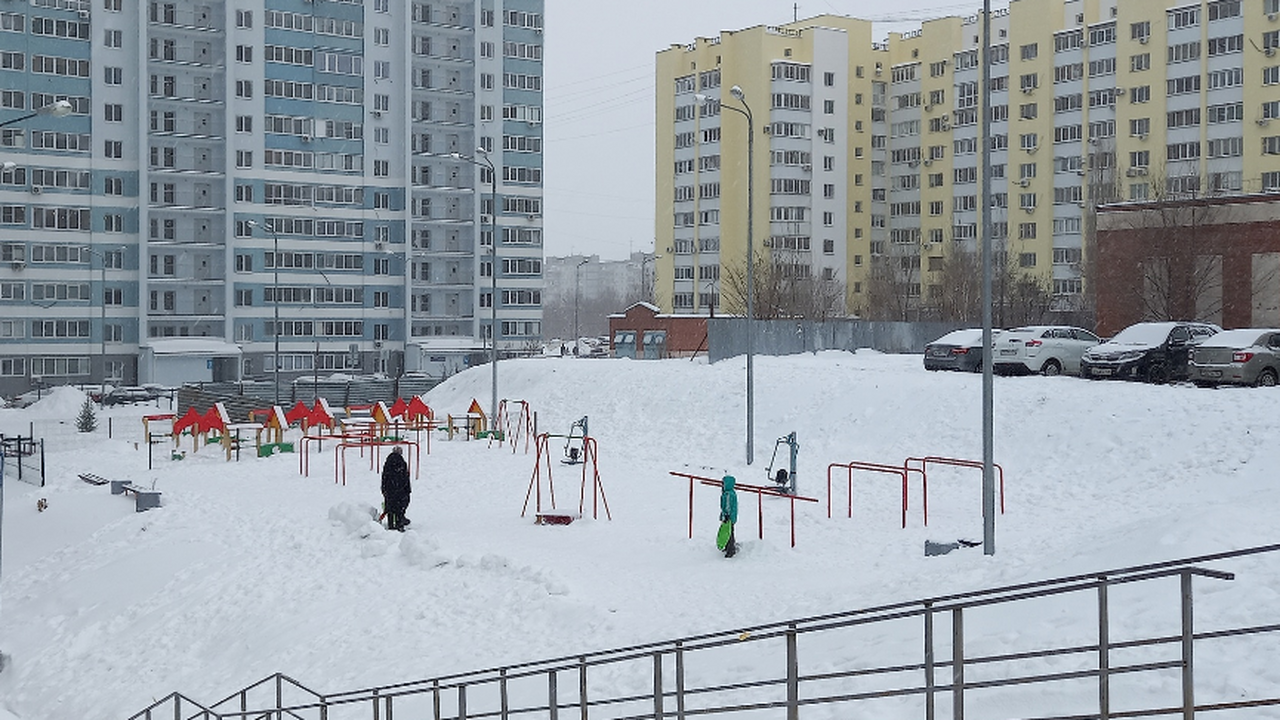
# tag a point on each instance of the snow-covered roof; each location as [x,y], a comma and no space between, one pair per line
[193,346]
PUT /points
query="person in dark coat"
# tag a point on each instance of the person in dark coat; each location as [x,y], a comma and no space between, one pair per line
[396,489]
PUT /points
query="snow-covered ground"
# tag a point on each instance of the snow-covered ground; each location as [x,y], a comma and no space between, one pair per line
[251,568]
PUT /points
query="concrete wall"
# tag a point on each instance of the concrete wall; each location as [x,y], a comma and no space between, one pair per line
[727,336]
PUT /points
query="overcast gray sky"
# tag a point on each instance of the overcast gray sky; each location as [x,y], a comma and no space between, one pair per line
[599,96]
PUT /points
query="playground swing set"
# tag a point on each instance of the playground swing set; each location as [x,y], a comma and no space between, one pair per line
[588,457]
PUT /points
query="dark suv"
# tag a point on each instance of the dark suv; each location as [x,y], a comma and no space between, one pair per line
[1155,352]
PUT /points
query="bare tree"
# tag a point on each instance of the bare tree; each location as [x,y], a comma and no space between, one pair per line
[1177,279]
[784,288]
[959,294]
[889,289]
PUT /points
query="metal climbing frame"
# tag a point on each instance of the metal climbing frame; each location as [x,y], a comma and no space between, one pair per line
[1072,679]
[894,470]
[908,466]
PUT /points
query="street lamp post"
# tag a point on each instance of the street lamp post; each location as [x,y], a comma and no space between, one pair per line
[275,294]
[493,272]
[102,256]
[577,291]
[58,108]
[745,111]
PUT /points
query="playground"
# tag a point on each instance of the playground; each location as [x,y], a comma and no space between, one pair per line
[249,565]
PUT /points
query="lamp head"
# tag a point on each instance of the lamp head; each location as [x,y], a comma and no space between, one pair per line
[736,92]
[8,165]
[252,223]
[57,108]
[700,97]
[482,151]
[455,155]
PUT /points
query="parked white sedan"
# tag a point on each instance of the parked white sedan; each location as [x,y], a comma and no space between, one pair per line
[1044,349]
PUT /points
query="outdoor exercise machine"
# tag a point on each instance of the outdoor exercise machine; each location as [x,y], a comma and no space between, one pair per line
[542,466]
[894,470]
[785,480]
[575,442]
[759,490]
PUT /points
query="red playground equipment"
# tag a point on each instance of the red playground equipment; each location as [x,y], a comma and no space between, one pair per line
[513,429]
[903,472]
[921,465]
[868,467]
[759,490]
[590,464]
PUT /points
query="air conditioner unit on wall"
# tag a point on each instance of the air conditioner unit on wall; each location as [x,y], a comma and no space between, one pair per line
[35,189]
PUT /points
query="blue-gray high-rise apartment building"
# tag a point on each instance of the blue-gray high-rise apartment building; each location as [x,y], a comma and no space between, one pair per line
[216,146]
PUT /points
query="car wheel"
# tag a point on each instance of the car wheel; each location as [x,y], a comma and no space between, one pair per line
[1266,379]
[1051,367]
[1157,375]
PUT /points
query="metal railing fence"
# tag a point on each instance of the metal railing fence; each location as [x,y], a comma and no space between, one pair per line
[947,677]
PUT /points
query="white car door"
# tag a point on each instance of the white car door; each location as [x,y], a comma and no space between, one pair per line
[1081,340]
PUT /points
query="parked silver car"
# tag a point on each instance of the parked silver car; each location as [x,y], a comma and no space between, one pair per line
[1250,356]
[1045,349]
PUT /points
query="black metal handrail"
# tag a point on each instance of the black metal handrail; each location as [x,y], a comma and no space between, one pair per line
[952,605]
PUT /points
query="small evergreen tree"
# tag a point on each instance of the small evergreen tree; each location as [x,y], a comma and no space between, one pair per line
[87,422]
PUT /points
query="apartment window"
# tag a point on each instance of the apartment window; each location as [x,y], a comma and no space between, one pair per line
[1027,260]
[113,112]
[1140,94]
[244,53]
[244,88]
[244,123]
[1027,231]
[113,186]
[113,149]
[381,36]
[113,75]
[1140,31]
[244,158]
[113,38]
[1027,111]
[1138,63]
[244,19]
[1029,52]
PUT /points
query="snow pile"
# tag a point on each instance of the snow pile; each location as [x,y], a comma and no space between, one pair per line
[62,402]
[251,568]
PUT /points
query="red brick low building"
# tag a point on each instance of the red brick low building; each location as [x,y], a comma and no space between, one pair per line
[644,332]
[1213,259]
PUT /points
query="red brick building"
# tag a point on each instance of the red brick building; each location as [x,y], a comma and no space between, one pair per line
[1213,259]
[644,332]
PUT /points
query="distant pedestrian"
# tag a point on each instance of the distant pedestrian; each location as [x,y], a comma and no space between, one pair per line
[396,489]
[729,512]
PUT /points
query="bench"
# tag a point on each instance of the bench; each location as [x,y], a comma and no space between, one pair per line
[145,499]
[93,479]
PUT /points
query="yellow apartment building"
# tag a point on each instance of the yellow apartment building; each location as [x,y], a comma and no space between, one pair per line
[867,160]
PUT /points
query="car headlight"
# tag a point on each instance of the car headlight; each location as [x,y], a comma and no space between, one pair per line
[1131,355]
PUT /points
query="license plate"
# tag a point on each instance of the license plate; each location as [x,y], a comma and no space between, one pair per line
[1009,351]
[1213,373]
[1102,371]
